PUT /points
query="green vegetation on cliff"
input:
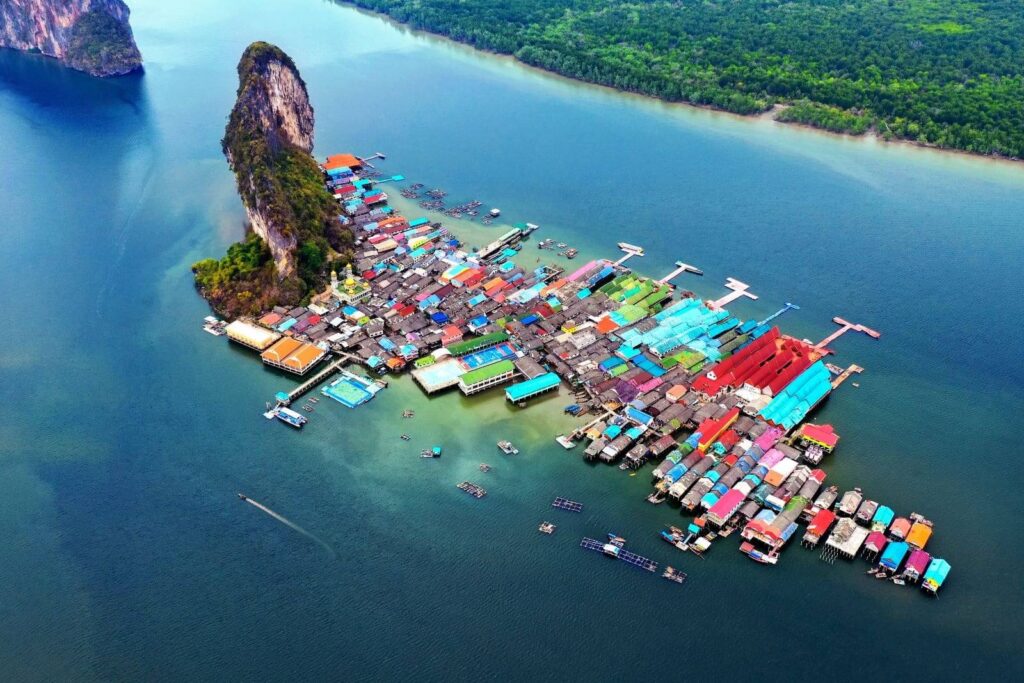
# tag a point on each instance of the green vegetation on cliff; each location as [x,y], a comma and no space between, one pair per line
[244,281]
[281,183]
[941,72]
[101,45]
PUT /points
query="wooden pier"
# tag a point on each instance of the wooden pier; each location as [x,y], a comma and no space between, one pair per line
[846,374]
[844,327]
[739,289]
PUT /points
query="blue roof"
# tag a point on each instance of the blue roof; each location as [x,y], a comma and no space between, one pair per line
[523,390]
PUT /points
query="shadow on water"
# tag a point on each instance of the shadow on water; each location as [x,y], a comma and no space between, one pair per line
[45,82]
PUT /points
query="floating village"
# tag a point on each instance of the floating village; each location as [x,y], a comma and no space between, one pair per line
[719,406]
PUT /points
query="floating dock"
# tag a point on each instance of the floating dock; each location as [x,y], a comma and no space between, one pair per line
[351,390]
[566,504]
[619,553]
[472,489]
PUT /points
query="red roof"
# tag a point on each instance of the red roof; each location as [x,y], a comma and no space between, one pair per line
[823,434]
[821,522]
[770,362]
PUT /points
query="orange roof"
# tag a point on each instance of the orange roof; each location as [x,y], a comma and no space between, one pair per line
[281,350]
[342,160]
[304,356]
[493,282]
[606,325]
[919,535]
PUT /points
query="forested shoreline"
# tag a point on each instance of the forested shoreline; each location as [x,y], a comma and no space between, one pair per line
[943,73]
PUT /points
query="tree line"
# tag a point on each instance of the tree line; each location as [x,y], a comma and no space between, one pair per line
[948,73]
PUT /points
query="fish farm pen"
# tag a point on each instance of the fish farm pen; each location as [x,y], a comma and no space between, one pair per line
[719,407]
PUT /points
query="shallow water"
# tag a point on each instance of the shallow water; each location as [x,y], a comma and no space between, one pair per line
[129,431]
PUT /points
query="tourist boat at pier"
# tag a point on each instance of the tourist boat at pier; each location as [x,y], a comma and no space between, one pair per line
[626,246]
[290,417]
[507,448]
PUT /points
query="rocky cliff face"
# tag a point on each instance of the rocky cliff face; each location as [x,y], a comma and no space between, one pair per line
[294,220]
[272,117]
[89,35]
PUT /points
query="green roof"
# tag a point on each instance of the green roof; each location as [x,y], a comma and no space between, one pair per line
[487,372]
[469,345]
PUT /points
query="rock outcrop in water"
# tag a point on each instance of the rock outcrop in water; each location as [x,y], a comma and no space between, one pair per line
[89,35]
[295,232]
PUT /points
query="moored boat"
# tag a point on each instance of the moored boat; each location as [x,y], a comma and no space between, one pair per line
[290,417]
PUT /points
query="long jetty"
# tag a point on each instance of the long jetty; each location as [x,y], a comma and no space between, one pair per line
[318,378]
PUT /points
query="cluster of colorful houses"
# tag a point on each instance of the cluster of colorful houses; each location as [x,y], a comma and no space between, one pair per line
[718,403]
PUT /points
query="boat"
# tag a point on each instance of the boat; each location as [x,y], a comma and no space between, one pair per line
[758,556]
[898,581]
[562,245]
[546,528]
[507,448]
[626,246]
[290,417]
[570,253]
[673,575]
[405,437]
[674,536]
[214,326]
[484,467]
[242,496]
[617,541]
[434,452]
[472,489]
[495,213]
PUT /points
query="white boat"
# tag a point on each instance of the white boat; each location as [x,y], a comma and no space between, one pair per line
[507,448]
[495,213]
[290,417]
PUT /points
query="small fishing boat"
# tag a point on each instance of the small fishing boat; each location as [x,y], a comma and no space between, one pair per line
[484,467]
[673,575]
[405,437]
[546,528]
[507,448]
[617,541]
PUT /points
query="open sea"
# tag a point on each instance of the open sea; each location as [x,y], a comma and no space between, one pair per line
[127,430]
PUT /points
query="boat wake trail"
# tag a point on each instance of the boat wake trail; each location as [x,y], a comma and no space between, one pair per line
[288,523]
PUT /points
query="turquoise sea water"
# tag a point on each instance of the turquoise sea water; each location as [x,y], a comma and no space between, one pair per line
[127,431]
